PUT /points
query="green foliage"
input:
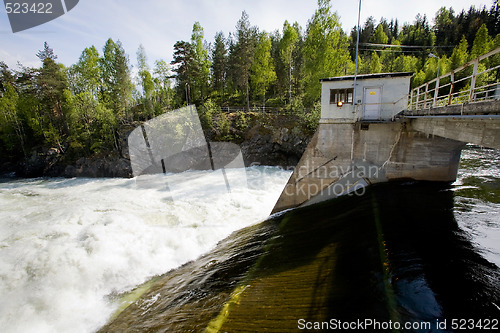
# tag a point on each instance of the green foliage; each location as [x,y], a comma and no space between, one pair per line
[46,53]
[375,64]
[117,84]
[163,94]
[482,43]
[244,48]
[202,65]
[310,120]
[80,108]
[405,63]
[262,71]
[287,46]
[418,34]
[325,50]
[185,68]
[242,121]
[207,113]
[147,84]
[380,37]
[219,64]
[460,54]
[11,130]
[86,74]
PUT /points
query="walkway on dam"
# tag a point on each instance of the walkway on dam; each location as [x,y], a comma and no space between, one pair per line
[462,105]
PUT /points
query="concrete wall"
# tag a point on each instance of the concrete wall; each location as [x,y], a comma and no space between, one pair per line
[480,130]
[394,97]
[373,153]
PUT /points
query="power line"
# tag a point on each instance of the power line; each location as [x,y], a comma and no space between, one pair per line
[380,50]
[408,46]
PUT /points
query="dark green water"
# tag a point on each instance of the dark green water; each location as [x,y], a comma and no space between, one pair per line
[407,253]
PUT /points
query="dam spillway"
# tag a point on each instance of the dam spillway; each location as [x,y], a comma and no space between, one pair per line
[372,258]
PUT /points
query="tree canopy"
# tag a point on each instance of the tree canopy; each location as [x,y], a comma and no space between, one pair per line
[80,108]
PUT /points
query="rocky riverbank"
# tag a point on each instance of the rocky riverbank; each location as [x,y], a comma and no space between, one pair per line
[278,143]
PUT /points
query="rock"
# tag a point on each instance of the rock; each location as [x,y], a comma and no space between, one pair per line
[279,142]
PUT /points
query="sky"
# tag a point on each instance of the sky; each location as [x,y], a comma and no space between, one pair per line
[158,24]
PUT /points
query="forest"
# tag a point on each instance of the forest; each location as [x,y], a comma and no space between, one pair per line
[78,109]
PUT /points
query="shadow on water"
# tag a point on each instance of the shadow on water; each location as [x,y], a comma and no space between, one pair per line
[395,253]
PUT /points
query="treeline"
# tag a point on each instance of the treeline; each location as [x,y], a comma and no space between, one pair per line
[79,109]
[453,38]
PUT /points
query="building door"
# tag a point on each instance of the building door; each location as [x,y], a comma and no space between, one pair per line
[372,100]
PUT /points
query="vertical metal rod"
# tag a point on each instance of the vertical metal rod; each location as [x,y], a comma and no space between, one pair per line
[452,86]
[425,96]
[411,100]
[436,90]
[473,80]
[354,100]
[418,97]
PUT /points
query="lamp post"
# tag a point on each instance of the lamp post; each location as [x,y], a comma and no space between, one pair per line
[436,91]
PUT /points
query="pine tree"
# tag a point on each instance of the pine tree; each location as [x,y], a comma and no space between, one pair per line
[11,126]
[117,84]
[482,43]
[244,48]
[494,18]
[202,64]
[460,54]
[287,46]
[380,37]
[219,64]
[262,72]
[163,90]
[375,64]
[46,53]
[146,82]
[51,84]
[325,50]
[184,67]
[443,26]
[86,73]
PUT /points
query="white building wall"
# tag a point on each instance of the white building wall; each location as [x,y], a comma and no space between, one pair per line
[394,97]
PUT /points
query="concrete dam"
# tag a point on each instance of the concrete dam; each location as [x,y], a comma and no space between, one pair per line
[384,133]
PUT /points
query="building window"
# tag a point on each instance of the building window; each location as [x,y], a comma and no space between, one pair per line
[341,95]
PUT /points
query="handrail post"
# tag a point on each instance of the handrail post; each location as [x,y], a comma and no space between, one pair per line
[473,80]
[411,100]
[425,96]
[452,86]
[418,96]
[436,93]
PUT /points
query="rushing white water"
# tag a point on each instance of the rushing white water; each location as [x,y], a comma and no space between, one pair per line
[66,245]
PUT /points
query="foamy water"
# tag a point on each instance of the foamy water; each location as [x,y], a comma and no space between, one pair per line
[67,245]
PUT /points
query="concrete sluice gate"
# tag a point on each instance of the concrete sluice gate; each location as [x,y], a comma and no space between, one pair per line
[342,158]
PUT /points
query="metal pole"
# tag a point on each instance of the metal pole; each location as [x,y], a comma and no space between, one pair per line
[354,101]
[436,87]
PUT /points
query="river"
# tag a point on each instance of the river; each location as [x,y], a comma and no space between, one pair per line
[67,246]
[71,248]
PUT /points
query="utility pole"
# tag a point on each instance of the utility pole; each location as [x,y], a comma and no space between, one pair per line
[354,100]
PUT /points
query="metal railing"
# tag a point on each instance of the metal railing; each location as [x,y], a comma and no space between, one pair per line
[264,109]
[475,81]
